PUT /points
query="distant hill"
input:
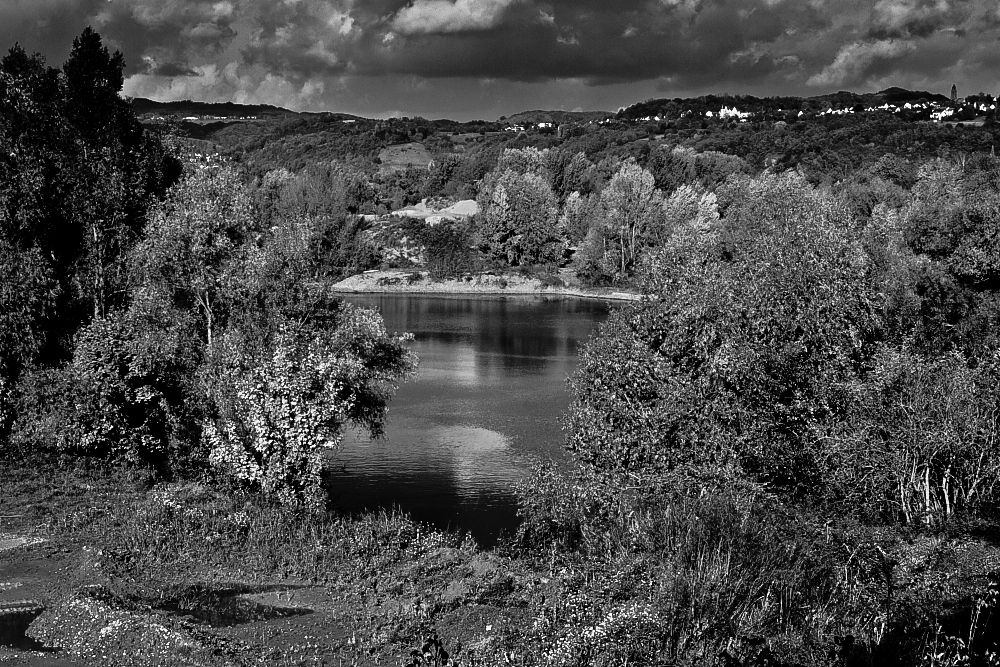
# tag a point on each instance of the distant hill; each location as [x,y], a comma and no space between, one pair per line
[191,108]
[841,99]
[557,117]
[897,95]
[224,110]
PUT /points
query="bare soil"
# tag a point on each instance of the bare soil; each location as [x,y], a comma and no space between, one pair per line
[419,282]
[217,614]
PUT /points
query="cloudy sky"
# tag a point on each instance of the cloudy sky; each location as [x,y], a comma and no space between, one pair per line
[468,59]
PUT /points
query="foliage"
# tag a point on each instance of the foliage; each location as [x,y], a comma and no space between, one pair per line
[77,174]
[285,399]
[194,240]
[517,219]
[738,353]
[126,396]
[629,218]
[951,225]
[720,575]
[321,203]
[28,295]
[448,249]
[922,444]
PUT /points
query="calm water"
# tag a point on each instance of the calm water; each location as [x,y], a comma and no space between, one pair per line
[485,406]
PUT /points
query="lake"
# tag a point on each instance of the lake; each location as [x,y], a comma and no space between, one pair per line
[485,407]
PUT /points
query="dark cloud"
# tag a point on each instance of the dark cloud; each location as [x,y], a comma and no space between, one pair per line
[382,56]
[172,70]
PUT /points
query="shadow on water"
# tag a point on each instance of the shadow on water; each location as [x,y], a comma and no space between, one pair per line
[434,499]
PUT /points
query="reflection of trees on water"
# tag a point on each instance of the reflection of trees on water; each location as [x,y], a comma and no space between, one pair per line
[521,335]
[490,366]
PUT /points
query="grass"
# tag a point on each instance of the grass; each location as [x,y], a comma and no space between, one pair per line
[626,577]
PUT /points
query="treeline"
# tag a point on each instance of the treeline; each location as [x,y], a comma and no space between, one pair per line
[810,383]
[826,148]
[162,313]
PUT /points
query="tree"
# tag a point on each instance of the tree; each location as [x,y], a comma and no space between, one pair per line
[128,394]
[193,241]
[517,220]
[94,77]
[578,214]
[632,209]
[525,161]
[77,174]
[751,328]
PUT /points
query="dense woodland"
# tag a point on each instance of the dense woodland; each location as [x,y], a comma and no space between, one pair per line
[806,396]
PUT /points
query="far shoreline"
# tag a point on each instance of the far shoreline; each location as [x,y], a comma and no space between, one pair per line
[399,281]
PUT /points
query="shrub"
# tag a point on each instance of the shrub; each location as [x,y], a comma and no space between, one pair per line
[285,399]
[923,444]
[725,575]
[448,250]
[126,396]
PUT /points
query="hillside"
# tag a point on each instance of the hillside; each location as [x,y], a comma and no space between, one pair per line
[559,117]
[211,109]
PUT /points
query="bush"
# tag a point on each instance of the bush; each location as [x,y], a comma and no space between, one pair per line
[923,444]
[725,575]
[126,396]
[448,251]
[285,398]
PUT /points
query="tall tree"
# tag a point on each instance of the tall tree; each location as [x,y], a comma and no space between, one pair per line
[633,210]
[518,219]
[194,242]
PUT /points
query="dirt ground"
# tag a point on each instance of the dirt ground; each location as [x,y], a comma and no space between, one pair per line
[449,599]
[418,282]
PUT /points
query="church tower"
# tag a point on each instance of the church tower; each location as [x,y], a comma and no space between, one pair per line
[954,94]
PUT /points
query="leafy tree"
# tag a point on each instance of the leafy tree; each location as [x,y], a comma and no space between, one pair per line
[94,77]
[517,219]
[632,210]
[189,256]
[578,176]
[525,161]
[671,168]
[952,225]
[128,394]
[738,356]
[27,298]
[77,173]
[578,214]
[448,249]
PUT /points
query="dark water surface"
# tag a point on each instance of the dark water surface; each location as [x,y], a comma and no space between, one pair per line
[484,408]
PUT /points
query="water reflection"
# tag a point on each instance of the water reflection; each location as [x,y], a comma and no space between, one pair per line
[487,402]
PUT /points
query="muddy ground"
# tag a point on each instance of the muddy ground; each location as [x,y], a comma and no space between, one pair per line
[440,595]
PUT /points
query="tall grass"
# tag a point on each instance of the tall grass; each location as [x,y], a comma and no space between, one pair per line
[695,578]
[175,534]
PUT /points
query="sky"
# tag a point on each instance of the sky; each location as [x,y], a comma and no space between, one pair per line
[482,59]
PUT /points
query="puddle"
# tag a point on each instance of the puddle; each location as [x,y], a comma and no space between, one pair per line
[221,607]
[15,617]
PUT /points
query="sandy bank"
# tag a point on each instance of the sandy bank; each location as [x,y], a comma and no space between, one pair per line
[418,282]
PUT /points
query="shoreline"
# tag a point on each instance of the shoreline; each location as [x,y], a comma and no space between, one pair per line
[405,282]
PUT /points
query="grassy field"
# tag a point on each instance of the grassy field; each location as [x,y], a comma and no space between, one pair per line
[402,156]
